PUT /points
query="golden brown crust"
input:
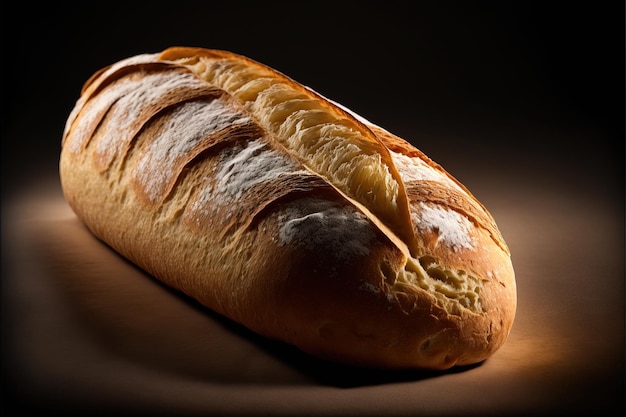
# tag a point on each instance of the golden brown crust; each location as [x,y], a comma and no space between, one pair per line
[204,168]
[464,202]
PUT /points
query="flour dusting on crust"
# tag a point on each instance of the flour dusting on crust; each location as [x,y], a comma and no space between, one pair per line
[239,169]
[414,169]
[312,224]
[189,124]
[246,165]
[452,227]
[138,104]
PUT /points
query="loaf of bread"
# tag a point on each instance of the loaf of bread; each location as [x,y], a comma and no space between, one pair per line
[286,212]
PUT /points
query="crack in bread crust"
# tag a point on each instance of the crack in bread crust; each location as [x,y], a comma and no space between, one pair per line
[322,136]
[434,192]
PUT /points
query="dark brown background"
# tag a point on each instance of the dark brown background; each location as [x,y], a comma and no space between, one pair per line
[521,101]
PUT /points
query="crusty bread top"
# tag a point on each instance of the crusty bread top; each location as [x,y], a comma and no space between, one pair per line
[345,130]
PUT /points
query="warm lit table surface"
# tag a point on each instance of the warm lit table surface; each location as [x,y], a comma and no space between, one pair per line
[87,331]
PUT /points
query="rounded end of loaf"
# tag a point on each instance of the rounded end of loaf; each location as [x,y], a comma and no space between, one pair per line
[369,306]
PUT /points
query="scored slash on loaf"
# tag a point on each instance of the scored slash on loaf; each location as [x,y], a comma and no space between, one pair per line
[286,212]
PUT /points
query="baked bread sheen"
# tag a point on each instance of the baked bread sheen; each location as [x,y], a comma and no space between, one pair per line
[286,212]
